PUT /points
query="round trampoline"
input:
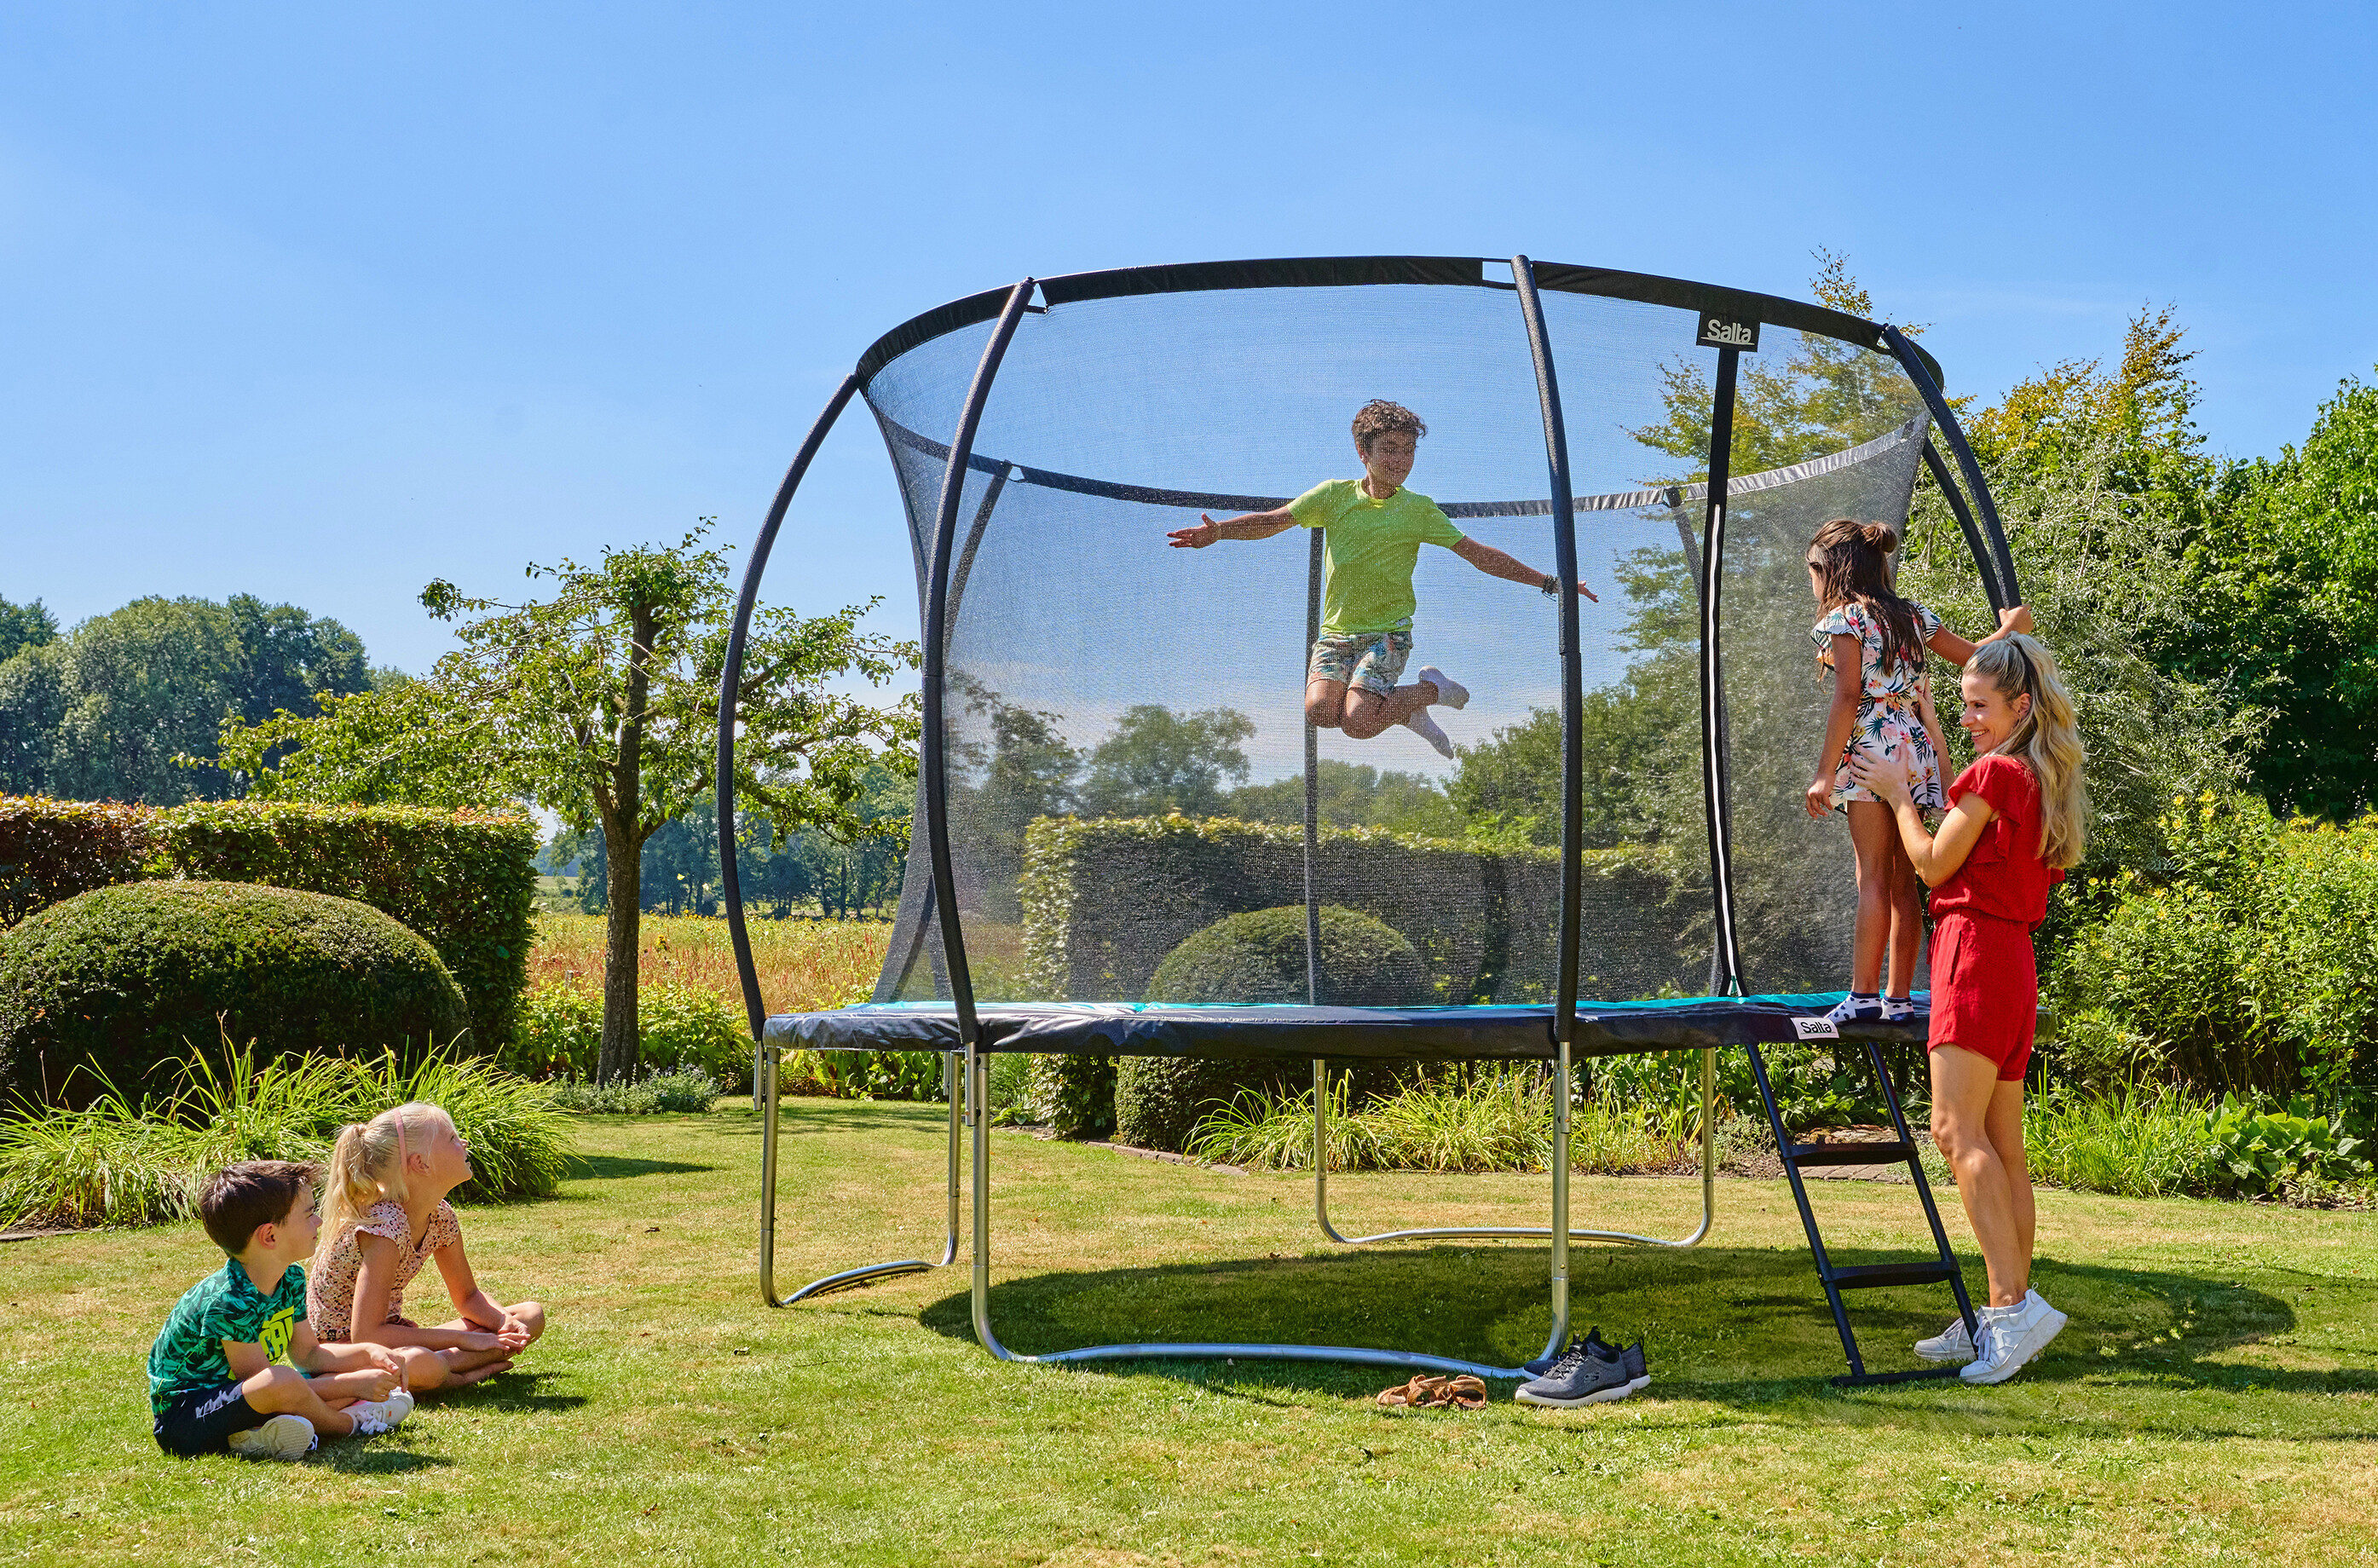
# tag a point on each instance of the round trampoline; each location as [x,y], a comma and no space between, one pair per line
[1116,755]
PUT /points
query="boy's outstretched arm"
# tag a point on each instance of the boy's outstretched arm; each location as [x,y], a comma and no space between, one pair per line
[1253,525]
[1498,563]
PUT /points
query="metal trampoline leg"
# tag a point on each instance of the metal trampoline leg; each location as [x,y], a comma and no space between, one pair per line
[770,1099]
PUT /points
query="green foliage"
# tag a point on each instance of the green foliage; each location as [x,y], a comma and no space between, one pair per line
[461,878]
[106,712]
[141,1160]
[680,1090]
[1260,957]
[408,743]
[868,1075]
[1351,795]
[2257,1149]
[2137,1142]
[23,626]
[122,979]
[561,1032]
[1157,760]
[53,849]
[2252,965]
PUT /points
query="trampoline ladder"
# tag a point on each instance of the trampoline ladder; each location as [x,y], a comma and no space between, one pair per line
[1835,1277]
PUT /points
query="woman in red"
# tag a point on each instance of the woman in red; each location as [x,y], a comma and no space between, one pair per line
[2017,818]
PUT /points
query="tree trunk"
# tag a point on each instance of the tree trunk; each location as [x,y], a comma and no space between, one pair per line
[623,931]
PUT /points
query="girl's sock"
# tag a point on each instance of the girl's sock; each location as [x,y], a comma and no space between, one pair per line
[1896,1008]
[1859,1007]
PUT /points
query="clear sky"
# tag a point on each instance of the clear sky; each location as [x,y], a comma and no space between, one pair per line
[318,303]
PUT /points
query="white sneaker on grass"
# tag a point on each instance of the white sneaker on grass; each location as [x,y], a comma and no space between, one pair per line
[1450,692]
[1952,1344]
[283,1437]
[381,1415]
[2011,1337]
[1421,725]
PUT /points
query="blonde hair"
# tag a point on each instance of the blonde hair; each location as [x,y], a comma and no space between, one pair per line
[366,1164]
[2048,736]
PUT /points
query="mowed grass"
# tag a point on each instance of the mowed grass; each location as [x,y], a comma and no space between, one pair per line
[804,965]
[2215,1396]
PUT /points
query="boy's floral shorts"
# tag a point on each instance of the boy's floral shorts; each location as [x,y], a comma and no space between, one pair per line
[1370,662]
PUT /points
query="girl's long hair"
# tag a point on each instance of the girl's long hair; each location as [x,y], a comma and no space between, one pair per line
[1854,567]
[366,1164]
[2047,737]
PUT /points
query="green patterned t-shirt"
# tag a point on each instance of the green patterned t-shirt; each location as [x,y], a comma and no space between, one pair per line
[189,1354]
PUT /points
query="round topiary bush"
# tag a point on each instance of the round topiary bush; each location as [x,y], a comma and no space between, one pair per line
[122,978]
[1259,957]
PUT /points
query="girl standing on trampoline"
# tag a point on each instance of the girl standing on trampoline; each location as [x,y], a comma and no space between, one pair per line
[1873,640]
[1373,529]
[2017,818]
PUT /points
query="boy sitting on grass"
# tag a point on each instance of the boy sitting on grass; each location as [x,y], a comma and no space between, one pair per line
[212,1377]
[1373,529]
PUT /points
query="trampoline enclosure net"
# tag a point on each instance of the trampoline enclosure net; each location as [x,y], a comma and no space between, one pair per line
[1125,720]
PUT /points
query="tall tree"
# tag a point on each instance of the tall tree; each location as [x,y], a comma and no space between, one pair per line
[1157,760]
[25,626]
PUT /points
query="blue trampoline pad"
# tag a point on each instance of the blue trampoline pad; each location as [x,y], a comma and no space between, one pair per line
[1291,1031]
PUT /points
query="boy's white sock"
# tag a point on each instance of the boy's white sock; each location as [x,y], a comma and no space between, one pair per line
[1421,725]
[1449,691]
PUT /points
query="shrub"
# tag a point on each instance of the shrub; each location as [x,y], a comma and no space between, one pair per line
[2140,1142]
[123,978]
[142,1161]
[680,1089]
[2258,1150]
[1259,957]
[51,850]
[561,1032]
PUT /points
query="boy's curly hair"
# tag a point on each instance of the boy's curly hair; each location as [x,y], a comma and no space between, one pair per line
[1380,417]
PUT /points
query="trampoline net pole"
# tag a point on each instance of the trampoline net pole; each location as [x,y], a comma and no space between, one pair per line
[1313,977]
[1713,737]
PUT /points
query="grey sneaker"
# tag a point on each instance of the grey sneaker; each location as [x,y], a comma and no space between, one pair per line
[1954,1343]
[1592,1345]
[1578,1378]
[1631,1362]
[283,1437]
[382,1416]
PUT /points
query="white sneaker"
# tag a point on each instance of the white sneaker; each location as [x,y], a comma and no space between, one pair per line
[283,1437]
[1952,1344]
[381,1415]
[2011,1337]
[1421,725]
[1449,691]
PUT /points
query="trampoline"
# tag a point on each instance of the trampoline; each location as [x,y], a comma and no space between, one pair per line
[1115,755]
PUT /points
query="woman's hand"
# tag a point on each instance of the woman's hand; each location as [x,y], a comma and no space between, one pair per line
[1887,780]
[2016,620]
[1821,795]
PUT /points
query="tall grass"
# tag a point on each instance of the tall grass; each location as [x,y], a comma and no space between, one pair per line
[804,965]
[1480,1119]
[121,1162]
[2139,1143]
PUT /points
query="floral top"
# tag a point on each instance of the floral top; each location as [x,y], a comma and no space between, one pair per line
[331,1279]
[1889,725]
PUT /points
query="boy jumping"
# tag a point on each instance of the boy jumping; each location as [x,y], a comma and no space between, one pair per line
[1372,531]
[212,1381]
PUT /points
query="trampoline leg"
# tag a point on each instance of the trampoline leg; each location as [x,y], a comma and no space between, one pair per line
[1625,1237]
[769,1096]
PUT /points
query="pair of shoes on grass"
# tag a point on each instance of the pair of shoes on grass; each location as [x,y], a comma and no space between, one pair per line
[1588,1373]
[1464,1393]
[293,1437]
[1450,693]
[2009,1338]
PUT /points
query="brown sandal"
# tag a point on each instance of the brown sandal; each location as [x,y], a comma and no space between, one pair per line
[1465,1391]
[1418,1393]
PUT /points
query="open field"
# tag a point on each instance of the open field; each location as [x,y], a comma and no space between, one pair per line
[2217,1395]
[803,965]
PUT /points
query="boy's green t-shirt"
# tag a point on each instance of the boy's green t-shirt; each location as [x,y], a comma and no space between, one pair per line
[189,1354]
[1368,550]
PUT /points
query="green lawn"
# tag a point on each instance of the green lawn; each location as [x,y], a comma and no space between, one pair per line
[2215,1396]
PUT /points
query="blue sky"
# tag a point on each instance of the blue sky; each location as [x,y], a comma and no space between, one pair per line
[320,302]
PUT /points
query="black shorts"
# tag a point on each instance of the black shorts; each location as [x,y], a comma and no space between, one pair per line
[203,1421]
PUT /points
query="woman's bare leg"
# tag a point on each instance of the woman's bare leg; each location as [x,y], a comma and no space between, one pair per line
[1874,835]
[2004,1126]
[1966,1094]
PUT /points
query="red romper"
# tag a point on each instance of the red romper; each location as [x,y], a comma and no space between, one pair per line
[1985,978]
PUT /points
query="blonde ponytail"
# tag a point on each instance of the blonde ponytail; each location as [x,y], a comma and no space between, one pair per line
[2047,737]
[366,1164]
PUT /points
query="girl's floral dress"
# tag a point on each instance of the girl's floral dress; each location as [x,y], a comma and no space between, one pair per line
[1889,725]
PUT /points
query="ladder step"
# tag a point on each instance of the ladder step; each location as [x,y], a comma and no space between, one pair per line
[1849,1153]
[1871,1276]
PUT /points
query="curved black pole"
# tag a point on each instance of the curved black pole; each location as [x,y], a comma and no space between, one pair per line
[1714,759]
[933,765]
[730,682]
[1314,986]
[1572,665]
[1973,540]
[1946,418]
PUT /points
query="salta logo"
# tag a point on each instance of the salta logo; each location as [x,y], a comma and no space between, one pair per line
[1718,332]
[1817,1029]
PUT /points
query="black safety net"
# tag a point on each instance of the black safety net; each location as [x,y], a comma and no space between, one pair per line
[1124,725]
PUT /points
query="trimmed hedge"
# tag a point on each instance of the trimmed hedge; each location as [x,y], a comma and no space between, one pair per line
[1259,957]
[463,880]
[124,978]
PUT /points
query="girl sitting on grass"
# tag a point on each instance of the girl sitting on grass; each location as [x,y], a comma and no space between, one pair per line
[2017,818]
[385,1215]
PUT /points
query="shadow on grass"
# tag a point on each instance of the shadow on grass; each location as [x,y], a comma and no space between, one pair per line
[1740,1327]
[514,1391]
[612,1168]
[349,1460]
